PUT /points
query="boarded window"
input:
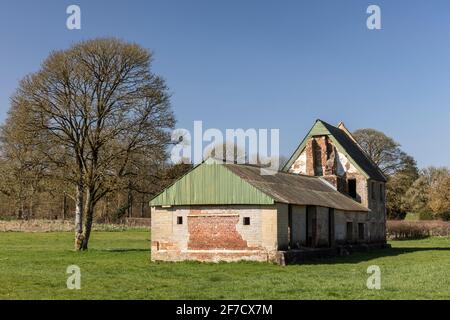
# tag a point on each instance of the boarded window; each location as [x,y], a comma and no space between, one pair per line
[349,231]
[179,220]
[246,221]
[361,231]
[352,188]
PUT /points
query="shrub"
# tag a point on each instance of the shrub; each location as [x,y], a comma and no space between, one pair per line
[417,229]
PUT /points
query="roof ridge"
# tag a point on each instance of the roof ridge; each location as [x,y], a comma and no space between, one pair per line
[277,172]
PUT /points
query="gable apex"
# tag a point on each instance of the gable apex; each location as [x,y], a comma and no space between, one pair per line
[345,143]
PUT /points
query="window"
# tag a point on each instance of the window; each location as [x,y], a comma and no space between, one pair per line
[349,231]
[246,221]
[373,191]
[179,220]
[352,188]
[381,192]
[361,231]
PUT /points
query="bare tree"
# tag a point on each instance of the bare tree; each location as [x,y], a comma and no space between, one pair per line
[100,104]
[383,150]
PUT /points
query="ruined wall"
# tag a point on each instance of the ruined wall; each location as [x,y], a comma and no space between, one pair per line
[341,218]
[217,233]
[377,215]
[335,167]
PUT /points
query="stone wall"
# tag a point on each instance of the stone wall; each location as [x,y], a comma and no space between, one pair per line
[322,235]
[298,226]
[341,218]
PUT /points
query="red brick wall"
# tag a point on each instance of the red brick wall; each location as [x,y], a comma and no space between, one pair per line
[215,232]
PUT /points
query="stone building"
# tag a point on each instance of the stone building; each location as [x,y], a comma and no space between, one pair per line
[333,154]
[329,194]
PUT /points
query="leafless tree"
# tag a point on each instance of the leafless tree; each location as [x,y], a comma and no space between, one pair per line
[101,106]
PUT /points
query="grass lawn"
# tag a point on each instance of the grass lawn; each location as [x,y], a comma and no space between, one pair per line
[33,266]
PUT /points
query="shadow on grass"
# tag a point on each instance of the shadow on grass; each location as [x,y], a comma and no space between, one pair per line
[358,257]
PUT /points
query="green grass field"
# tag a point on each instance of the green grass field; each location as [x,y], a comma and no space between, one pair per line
[33,266]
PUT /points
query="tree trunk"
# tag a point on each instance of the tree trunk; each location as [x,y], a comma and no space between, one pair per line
[89,219]
[64,206]
[142,205]
[79,216]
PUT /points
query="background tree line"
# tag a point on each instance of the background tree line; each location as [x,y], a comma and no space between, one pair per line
[425,192]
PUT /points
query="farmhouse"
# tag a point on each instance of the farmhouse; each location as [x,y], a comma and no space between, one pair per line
[329,194]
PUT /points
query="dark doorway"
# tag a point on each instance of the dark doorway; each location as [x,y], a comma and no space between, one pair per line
[361,231]
[352,188]
[350,231]
[311,226]
[290,233]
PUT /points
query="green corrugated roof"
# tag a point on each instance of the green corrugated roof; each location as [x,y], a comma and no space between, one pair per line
[345,145]
[211,183]
[223,184]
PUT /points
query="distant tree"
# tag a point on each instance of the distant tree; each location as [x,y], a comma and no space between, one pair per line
[430,193]
[384,151]
[399,168]
[100,104]
[440,199]
[397,188]
[417,196]
[23,171]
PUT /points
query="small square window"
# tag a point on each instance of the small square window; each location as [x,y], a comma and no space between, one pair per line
[179,220]
[246,221]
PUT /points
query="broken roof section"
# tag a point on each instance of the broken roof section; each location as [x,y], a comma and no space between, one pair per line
[346,144]
[226,184]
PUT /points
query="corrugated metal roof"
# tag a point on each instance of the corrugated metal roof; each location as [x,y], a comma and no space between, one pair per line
[223,184]
[211,183]
[296,189]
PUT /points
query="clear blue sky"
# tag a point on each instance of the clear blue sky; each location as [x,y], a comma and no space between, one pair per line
[268,64]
